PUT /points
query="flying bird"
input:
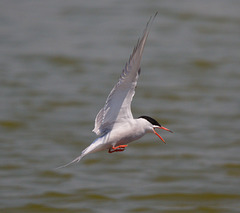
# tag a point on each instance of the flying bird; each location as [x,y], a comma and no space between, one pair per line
[114,124]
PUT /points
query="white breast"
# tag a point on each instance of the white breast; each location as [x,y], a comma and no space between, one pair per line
[127,132]
[122,133]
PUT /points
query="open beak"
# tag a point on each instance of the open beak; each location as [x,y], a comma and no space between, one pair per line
[161,127]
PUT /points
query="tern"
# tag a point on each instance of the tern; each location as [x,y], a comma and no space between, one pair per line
[114,124]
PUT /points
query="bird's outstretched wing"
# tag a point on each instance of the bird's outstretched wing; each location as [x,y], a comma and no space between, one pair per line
[118,104]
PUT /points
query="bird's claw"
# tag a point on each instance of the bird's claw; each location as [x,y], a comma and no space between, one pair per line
[119,148]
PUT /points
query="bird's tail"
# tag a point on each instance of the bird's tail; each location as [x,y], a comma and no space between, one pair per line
[94,147]
[75,160]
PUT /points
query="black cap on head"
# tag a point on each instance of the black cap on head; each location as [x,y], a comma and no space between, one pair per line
[150,120]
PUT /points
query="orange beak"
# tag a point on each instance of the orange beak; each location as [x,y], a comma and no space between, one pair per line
[161,127]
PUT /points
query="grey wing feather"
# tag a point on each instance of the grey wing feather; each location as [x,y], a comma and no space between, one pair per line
[118,104]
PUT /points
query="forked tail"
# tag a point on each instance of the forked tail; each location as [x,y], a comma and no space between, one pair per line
[75,160]
[94,147]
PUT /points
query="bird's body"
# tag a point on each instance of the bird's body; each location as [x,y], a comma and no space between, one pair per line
[114,124]
[123,134]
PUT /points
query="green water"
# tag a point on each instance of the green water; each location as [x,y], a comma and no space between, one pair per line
[58,62]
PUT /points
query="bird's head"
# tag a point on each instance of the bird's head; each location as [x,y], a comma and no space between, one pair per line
[155,125]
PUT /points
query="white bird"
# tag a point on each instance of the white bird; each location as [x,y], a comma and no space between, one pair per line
[114,124]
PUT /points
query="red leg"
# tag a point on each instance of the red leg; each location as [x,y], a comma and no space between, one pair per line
[120,148]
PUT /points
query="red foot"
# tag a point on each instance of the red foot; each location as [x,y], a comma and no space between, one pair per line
[120,148]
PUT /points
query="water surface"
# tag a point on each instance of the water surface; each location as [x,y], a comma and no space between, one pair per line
[60,59]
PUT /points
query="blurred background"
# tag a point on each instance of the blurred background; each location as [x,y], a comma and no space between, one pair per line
[58,62]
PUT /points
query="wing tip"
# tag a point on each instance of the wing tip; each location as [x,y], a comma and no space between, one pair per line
[151,19]
[143,38]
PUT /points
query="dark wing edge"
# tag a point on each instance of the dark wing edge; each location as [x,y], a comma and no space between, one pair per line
[127,82]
